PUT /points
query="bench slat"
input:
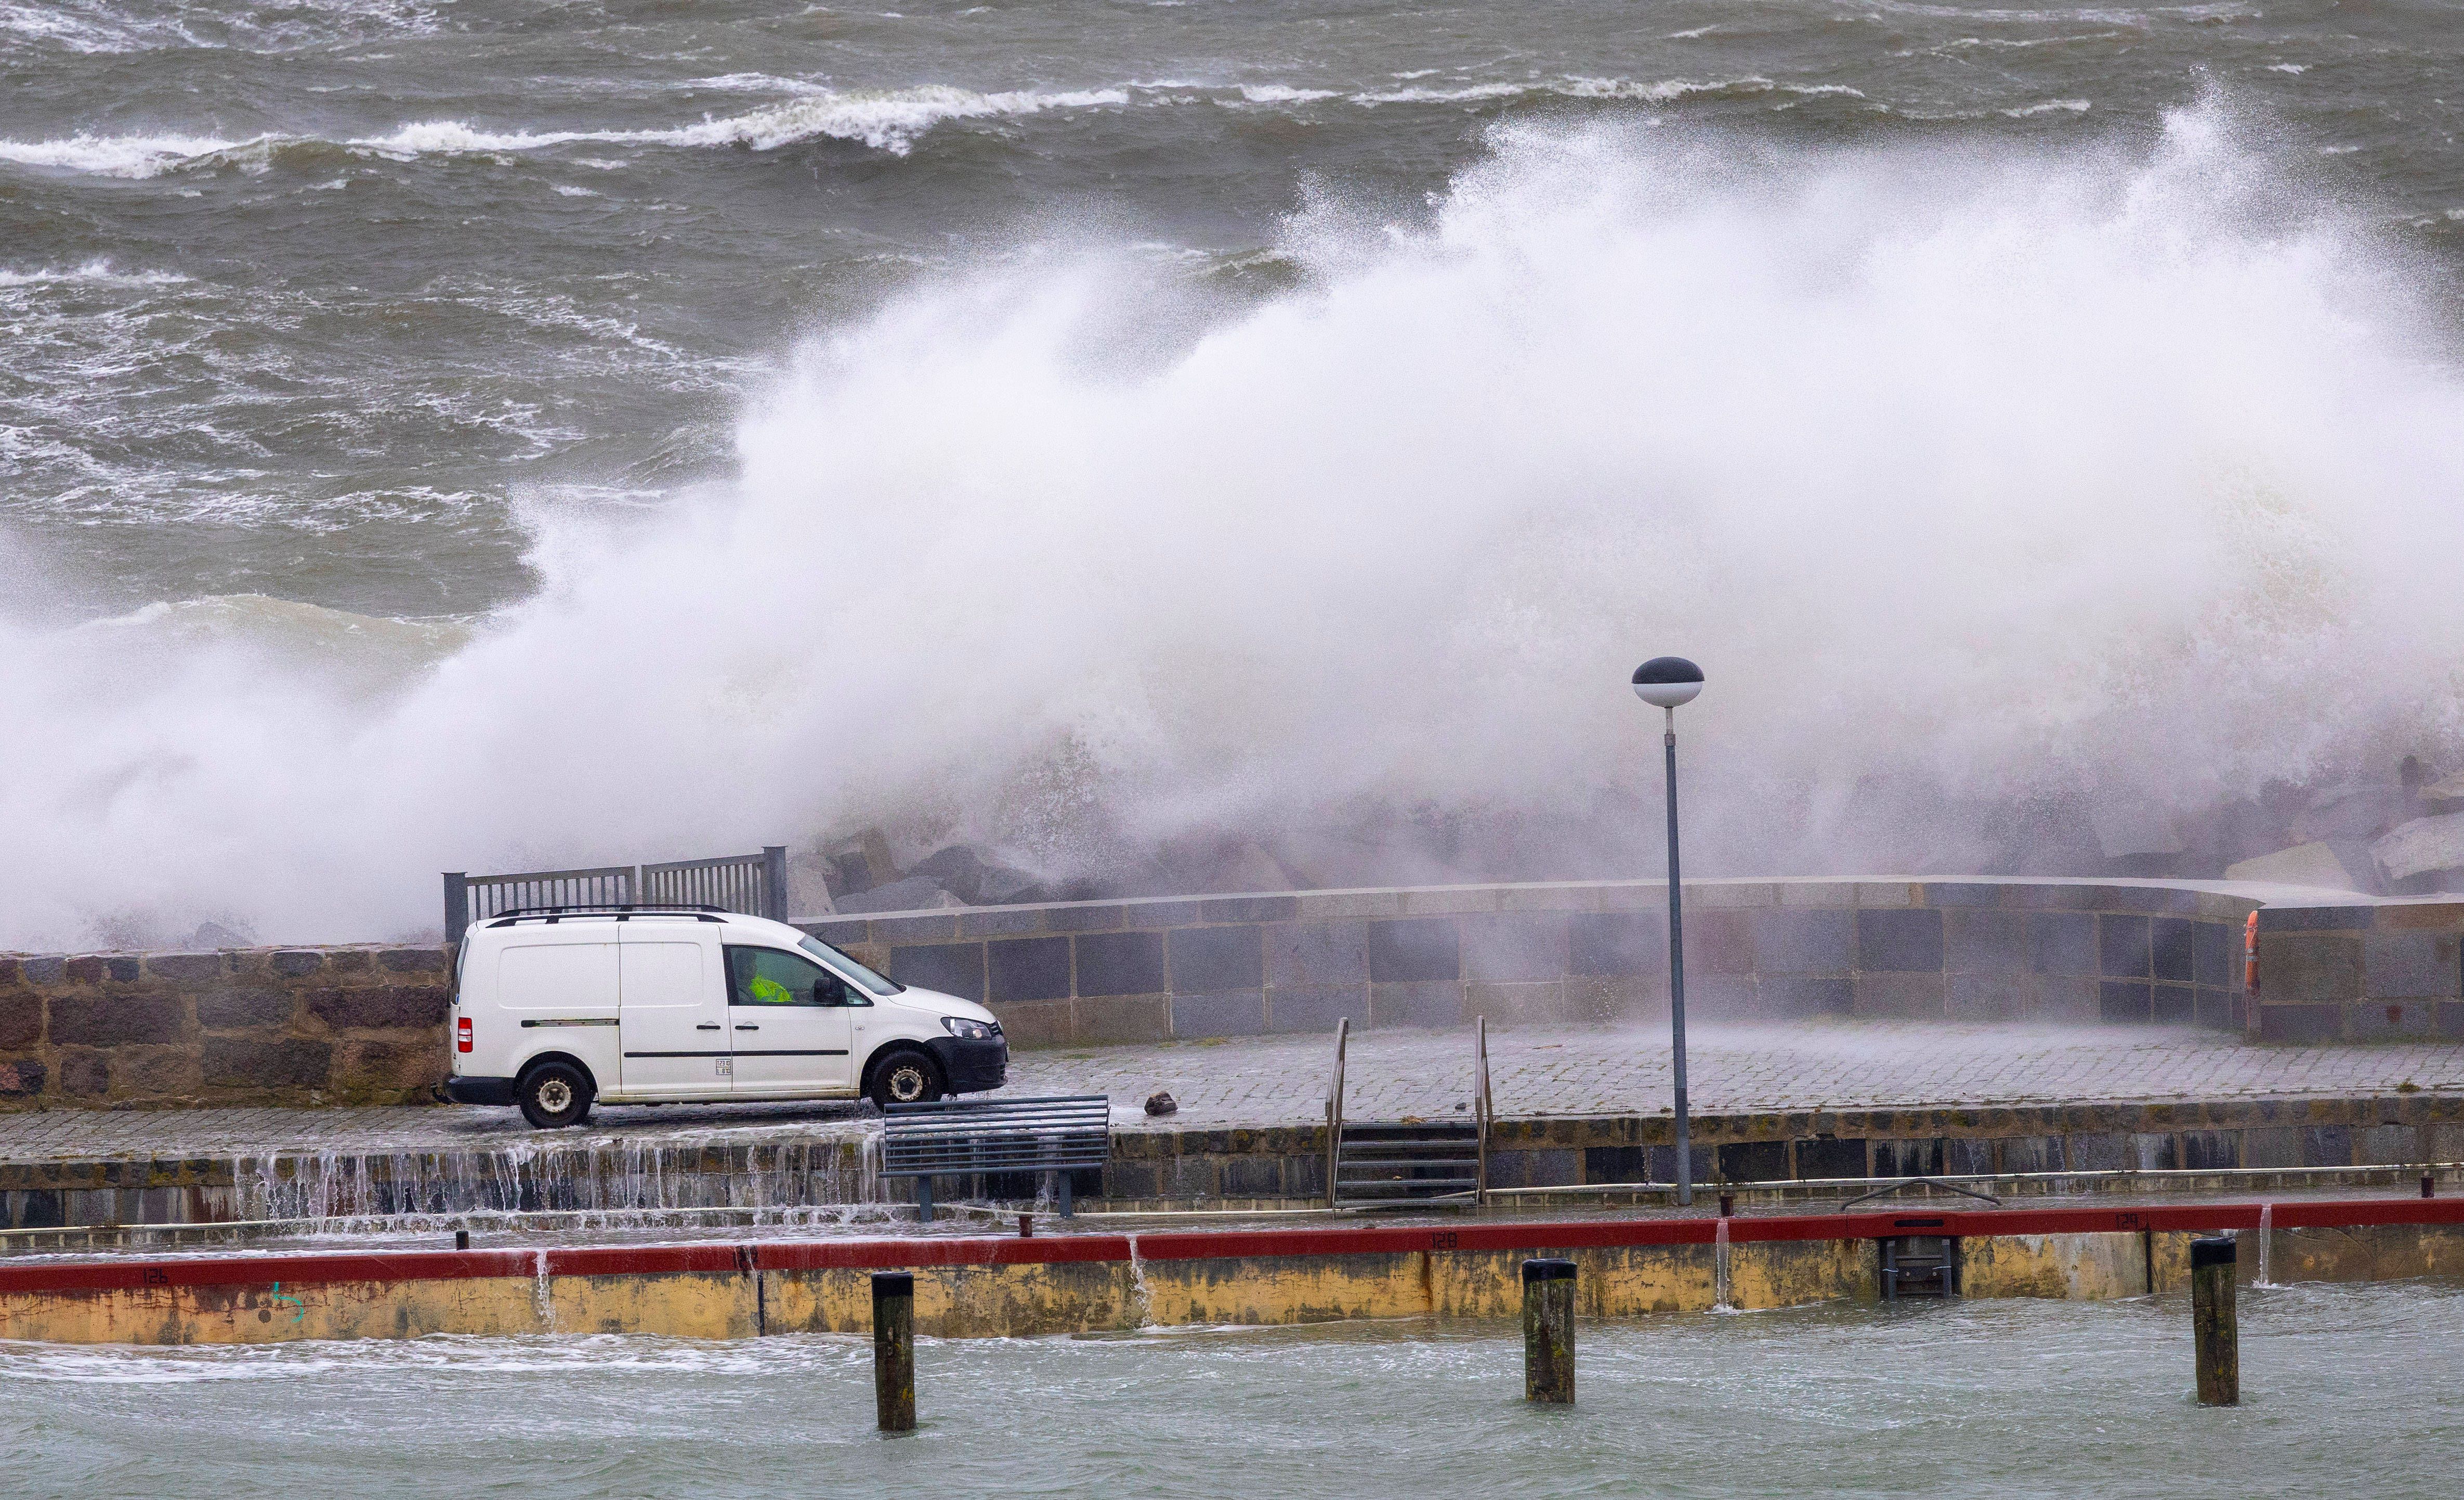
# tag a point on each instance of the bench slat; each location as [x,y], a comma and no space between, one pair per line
[967,1136]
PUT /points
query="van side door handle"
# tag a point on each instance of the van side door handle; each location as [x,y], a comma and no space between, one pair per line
[708,1026]
[744,1026]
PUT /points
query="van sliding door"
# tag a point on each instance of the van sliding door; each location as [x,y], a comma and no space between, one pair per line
[674,1009]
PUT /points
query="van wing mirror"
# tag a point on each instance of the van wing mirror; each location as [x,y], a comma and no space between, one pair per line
[830,990]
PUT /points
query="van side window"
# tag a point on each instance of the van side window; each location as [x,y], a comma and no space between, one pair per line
[771,976]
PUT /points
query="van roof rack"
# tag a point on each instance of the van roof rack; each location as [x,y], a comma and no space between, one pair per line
[707,913]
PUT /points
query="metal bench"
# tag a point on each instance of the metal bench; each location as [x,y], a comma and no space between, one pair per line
[955,1136]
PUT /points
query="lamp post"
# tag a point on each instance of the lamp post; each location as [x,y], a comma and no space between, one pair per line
[1664,683]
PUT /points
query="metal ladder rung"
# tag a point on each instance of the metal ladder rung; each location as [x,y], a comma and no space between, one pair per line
[1413,1161]
[1399,1162]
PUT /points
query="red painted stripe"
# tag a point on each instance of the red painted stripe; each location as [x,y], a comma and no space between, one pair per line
[1572,1235]
[898,1254]
[120,1273]
[264,1270]
[645,1260]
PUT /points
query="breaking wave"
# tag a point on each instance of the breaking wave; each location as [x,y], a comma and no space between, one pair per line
[1975,478]
[114,156]
[93,273]
[890,122]
[887,122]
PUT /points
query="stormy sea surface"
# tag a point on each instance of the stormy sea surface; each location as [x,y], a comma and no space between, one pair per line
[2013,1399]
[1186,442]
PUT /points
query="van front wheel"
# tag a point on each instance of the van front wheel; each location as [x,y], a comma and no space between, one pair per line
[554,1095]
[905,1076]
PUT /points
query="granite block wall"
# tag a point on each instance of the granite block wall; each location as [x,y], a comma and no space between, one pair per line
[270,1025]
[2038,952]
[2371,971]
[259,1026]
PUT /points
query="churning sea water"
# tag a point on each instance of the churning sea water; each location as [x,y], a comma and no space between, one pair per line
[2345,1389]
[467,434]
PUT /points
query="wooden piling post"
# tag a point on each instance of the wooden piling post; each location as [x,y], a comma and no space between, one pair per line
[894,1349]
[2214,1325]
[1548,1332]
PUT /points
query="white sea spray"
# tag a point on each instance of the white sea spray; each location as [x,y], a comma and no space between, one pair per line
[1973,478]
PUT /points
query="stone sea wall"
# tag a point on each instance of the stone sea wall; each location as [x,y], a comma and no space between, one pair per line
[2041,952]
[1184,1166]
[249,1026]
[1289,1162]
[2370,971]
[364,1025]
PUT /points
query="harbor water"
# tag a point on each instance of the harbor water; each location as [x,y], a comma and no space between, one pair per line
[2347,1389]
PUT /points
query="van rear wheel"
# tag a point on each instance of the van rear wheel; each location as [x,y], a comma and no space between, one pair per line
[554,1095]
[906,1076]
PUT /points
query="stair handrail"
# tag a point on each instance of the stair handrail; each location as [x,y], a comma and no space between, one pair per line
[1484,1109]
[1334,1108]
[1888,1188]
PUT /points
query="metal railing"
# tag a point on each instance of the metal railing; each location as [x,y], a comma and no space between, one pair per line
[744,883]
[1484,1106]
[752,882]
[1334,1111]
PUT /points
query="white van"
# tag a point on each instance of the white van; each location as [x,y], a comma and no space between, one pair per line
[556,1010]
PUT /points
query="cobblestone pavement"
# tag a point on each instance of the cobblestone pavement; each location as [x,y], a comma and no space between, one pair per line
[1283,1080]
[1847,1064]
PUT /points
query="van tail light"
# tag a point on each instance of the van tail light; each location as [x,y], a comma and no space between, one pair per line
[462,1035]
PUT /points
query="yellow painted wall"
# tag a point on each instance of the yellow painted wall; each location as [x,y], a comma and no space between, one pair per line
[961,1301]
[2062,1265]
[977,1301]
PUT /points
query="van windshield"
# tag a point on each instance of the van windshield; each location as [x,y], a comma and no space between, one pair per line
[879,984]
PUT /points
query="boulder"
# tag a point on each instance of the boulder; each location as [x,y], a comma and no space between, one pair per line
[861,863]
[2358,809]
[914,894]
[2303,865]
[808,887]
[2444,795]
[977,881]
[2421,847]
[1248,868]
[960,869]
[1003,885]
[2127,829]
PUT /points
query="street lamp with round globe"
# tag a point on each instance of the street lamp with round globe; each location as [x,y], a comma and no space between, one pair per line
[1666,682]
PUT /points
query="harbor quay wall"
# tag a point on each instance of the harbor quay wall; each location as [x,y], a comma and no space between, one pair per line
[1205,1167]
[365,1023]
[1195,1165]
[1055,1284]
[556,1175]
[2036,952]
